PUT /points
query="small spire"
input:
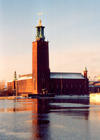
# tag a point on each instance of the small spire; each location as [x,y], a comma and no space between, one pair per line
[40,23]
[85,69]
[40,18]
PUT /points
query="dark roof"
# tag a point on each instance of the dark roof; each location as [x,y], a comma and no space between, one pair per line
[55,75]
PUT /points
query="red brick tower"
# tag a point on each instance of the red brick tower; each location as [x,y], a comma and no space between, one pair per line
[40,61]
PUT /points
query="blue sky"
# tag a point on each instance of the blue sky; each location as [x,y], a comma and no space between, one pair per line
[72,28]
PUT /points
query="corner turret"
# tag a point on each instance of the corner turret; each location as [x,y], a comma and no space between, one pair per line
[85,72]
[15,76]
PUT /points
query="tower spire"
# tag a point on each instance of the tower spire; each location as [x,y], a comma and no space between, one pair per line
[40,30]
[40,15]
[85,72]
[40,18]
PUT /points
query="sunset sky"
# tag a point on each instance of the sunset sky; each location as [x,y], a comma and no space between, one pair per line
[72,28]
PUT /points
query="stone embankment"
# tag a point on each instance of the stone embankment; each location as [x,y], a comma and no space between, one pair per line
[7,98]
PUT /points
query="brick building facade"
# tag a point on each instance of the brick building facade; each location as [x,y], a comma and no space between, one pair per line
[41,77]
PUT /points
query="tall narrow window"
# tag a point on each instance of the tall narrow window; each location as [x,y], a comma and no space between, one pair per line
[34,81]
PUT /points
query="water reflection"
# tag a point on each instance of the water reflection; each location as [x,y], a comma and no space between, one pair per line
[42,119]
[78,108]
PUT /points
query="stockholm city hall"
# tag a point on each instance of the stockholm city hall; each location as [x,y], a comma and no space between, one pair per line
[42,81]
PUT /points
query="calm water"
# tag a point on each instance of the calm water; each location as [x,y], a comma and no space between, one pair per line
[50,119]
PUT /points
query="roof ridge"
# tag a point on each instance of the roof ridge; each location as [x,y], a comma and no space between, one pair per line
[67,72]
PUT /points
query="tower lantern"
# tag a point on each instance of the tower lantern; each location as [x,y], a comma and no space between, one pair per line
[40,31]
